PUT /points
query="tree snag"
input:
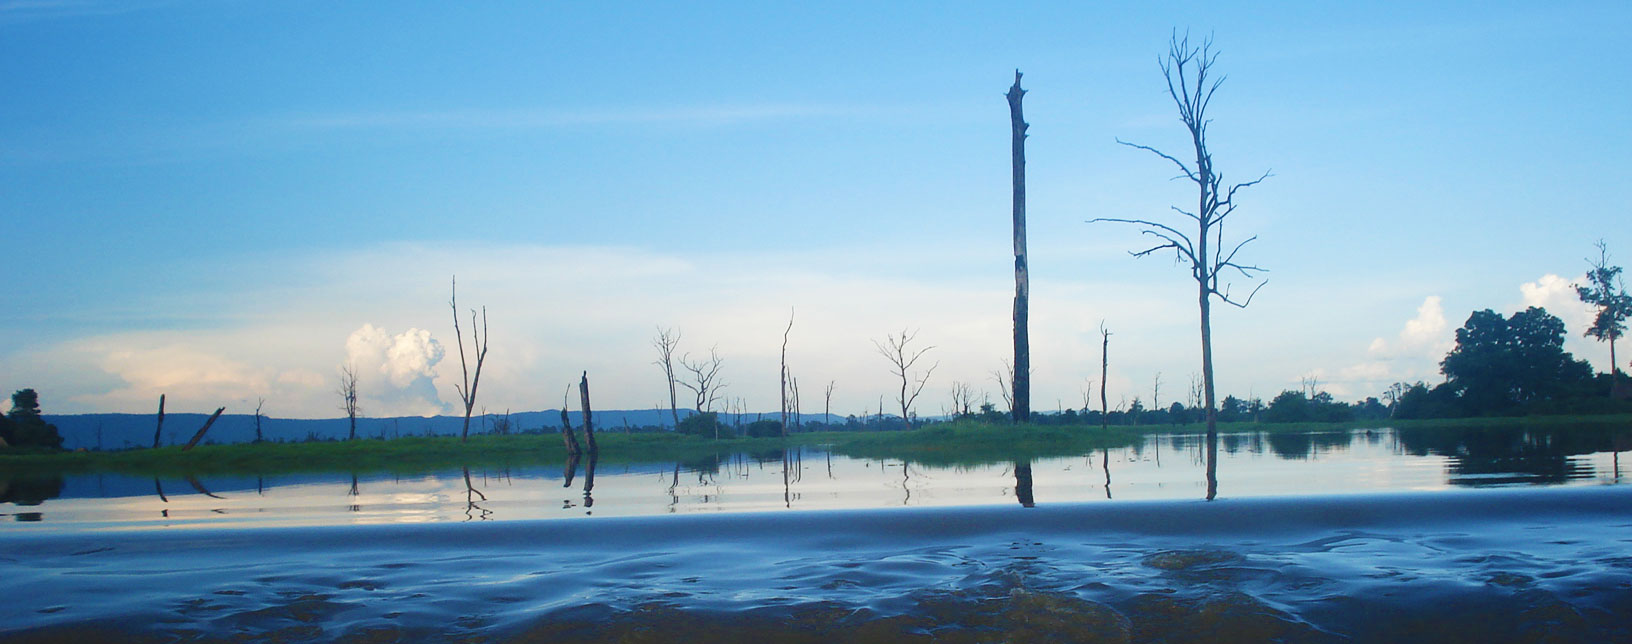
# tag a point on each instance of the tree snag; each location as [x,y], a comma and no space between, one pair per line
[200,435]
[896,349]
[589,426]
[665,342]
[159,429]
[1189,83]
[348,397]
[1021,377]
[467,391]
[784,374]
[567,435]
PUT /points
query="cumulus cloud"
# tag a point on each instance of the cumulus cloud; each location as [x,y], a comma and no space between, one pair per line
[396,372]
[1558,296]
[1425,335]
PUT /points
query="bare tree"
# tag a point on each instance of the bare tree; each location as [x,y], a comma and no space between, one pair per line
[259,402]
[1156,393]
[1196,391]
[1190,83]
[1021,374]
[707,376]
[665,342]
[348,397]
[897,349]
[963,398]
[1087,395]
[1104,372]
[467,390]
[1004,388]
[784,373]
[827,405]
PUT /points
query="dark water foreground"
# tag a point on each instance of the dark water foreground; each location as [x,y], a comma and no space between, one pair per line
[1525,565]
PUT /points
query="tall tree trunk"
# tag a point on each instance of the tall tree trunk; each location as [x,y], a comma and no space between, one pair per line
[159,429]
[589,427]
[1021,378]
[1104,370]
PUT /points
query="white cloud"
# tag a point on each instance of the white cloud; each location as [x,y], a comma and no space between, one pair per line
[1425,335]
[1558,296]
[396,373]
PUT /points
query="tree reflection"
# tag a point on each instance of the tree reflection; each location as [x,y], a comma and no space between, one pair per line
[1212,465]
[1022,484]
[1486,456]
[473,511]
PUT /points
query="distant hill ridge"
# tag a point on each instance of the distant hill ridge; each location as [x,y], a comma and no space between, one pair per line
[120,431]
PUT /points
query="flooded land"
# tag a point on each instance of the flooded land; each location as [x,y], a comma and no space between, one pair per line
[1367,535]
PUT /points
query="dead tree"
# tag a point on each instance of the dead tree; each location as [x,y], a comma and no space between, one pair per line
[1156,392]
[706,375]
[1104,371]
[963,398]
[259,402]
[784,373]
[567,434]
[1004,378]
[158,430]
[897,349]
[589,426]
[200,435]
[1021,382]
[467,391]
[1190,83]
[827,404]
[665,342]
[348,397]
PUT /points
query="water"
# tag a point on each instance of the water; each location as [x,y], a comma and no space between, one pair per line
[1362,536]
[1162,467]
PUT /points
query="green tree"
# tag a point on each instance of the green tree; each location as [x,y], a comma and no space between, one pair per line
[1606,291]
[25,427]
[1501,364]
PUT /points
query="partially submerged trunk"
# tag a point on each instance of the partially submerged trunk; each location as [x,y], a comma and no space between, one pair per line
[158,430]
[589,426]
[200,435]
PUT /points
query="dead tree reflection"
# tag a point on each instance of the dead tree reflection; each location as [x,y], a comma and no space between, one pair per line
[589,480]
[199,487]
[1022,484]
[353,493]
[1105,457]
[1212,465]
[473,511]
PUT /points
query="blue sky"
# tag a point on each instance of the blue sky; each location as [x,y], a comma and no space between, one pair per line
[227,200]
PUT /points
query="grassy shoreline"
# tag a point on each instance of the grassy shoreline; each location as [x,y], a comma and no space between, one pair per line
[953,443]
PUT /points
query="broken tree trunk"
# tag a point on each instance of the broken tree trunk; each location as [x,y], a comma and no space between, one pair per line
[567,435]
[589,427]
[1020,381]
[200,435]
[157,431]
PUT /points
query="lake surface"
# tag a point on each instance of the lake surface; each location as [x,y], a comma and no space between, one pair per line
[1162,467]
[1355,536]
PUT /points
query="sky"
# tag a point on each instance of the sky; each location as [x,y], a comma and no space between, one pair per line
[226,201]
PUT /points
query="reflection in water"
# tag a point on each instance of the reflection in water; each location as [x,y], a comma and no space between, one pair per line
[1105,457]
[1022,484]
[470,500]
[1261,464]
[1212,465]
